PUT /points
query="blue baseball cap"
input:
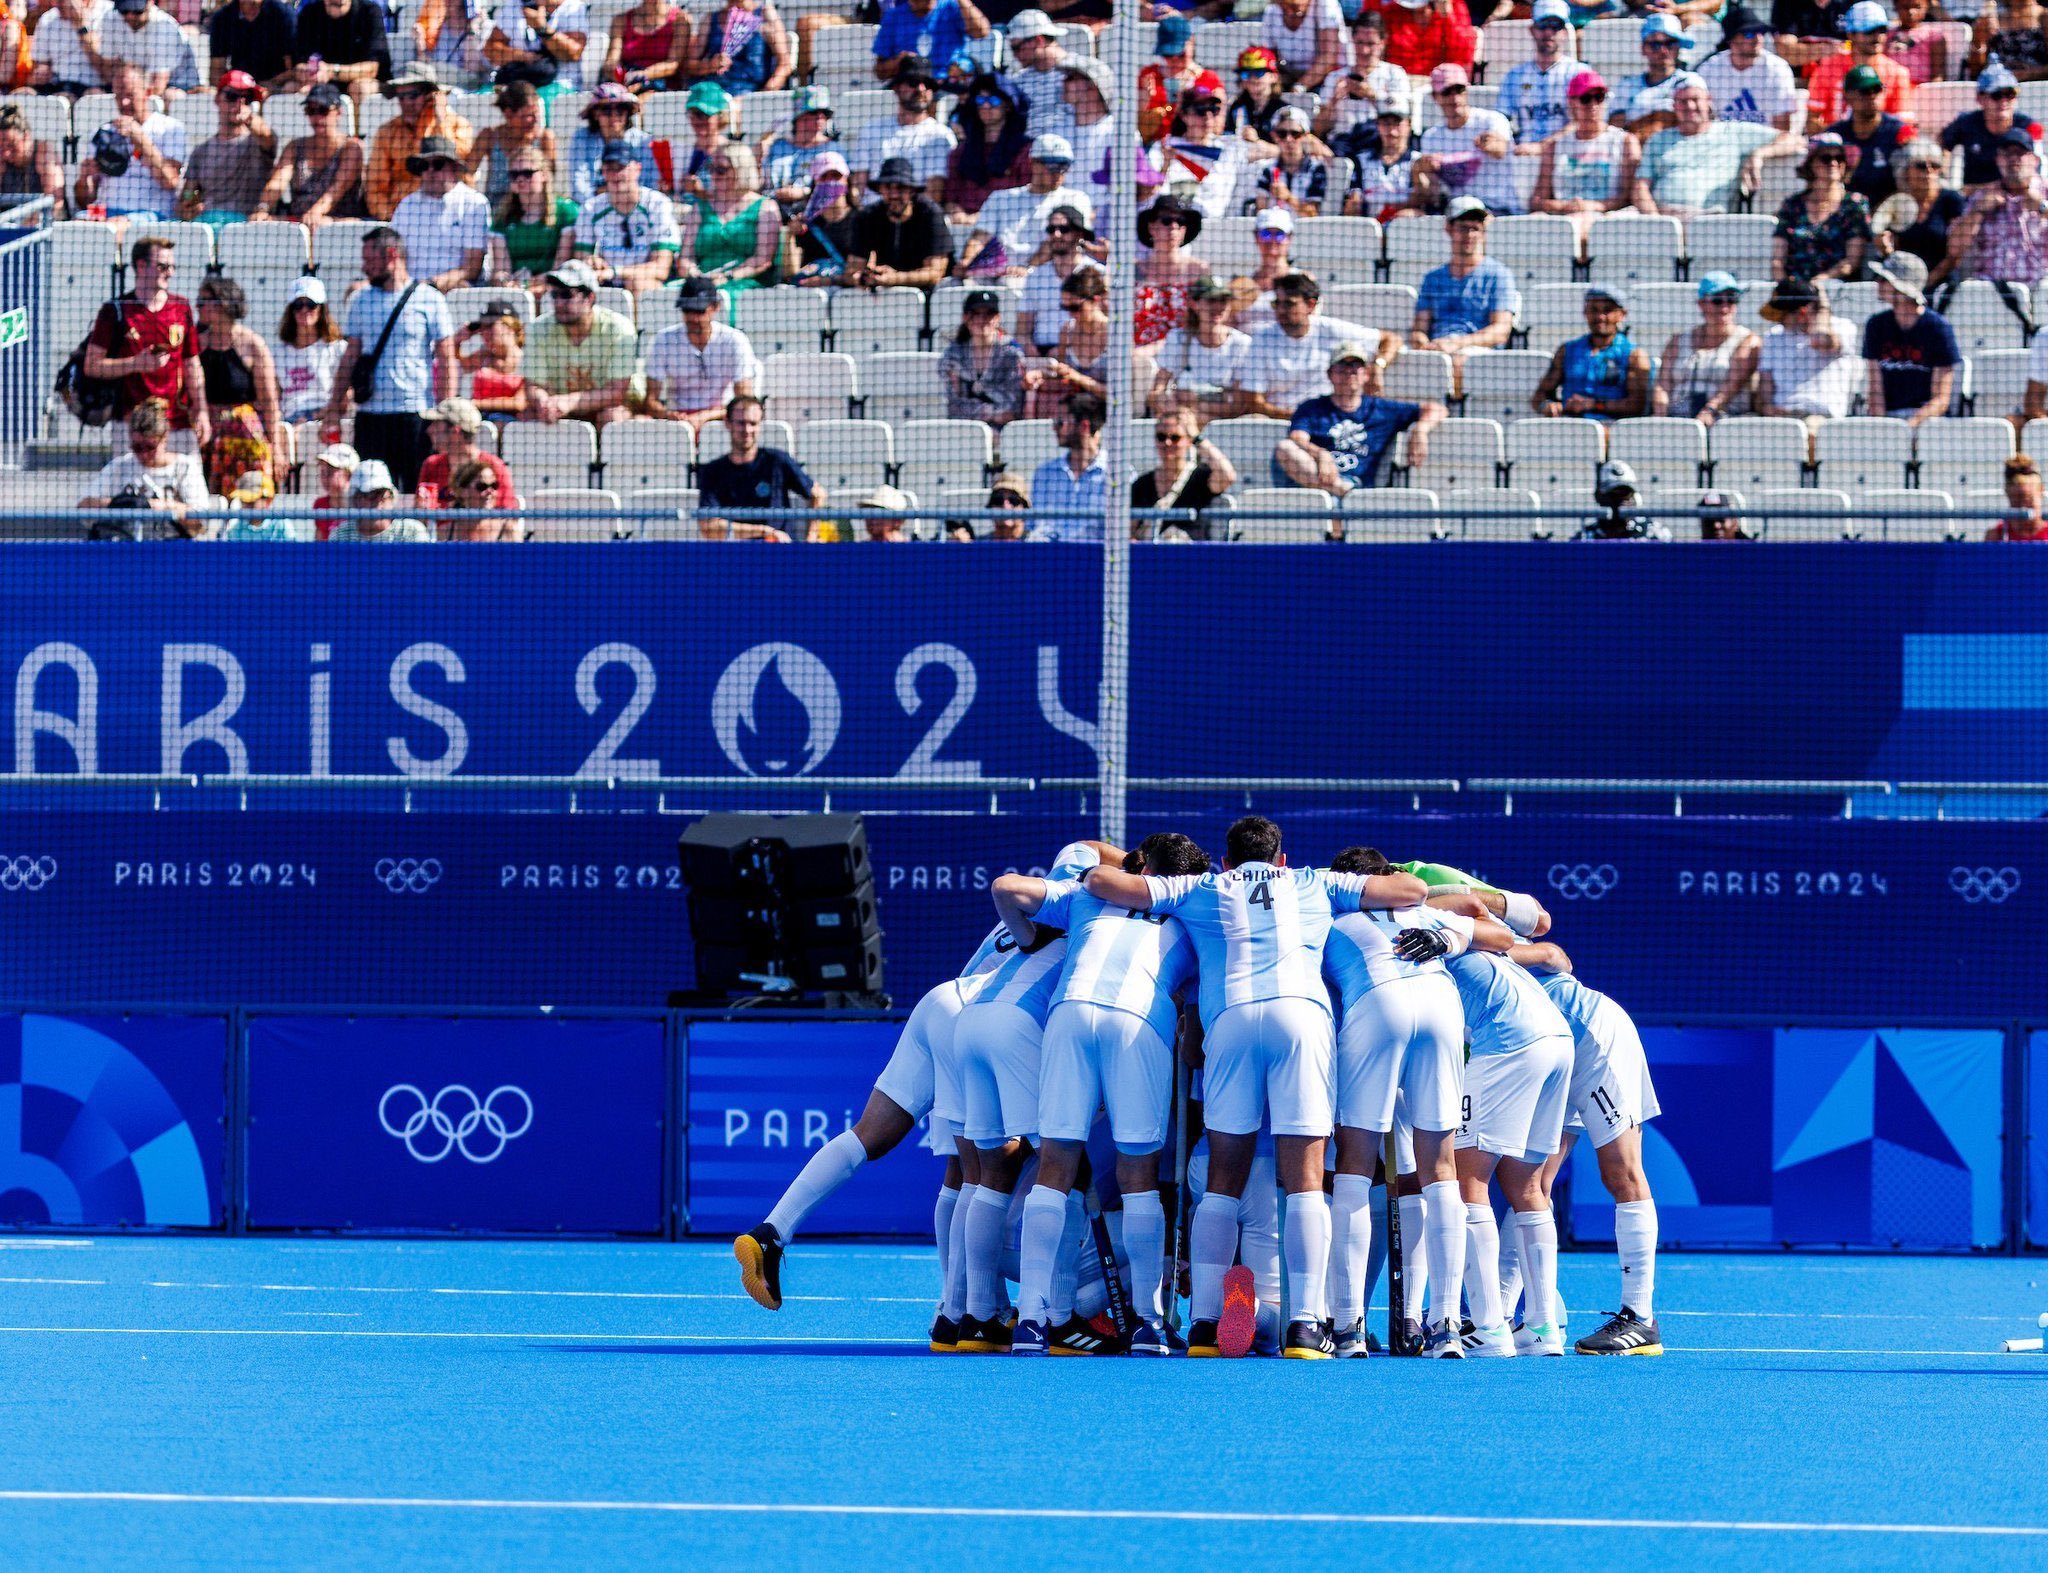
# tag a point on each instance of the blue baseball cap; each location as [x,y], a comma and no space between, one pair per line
[1663,25]
[1550,11]
[1997,79]
[1172,37]
[1865,16]
[1718,284]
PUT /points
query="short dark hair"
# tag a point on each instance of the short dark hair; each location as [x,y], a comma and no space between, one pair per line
[1298,283]
[387,240]
[1253,839]
[148,246]
[1166,852]
[1090,409]
[1360,860]
[227,292]
[740,401]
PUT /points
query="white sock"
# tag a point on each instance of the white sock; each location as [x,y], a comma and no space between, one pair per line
[1212,1243]
[1144,1231]
[830,1167]
[1482,1264]
[1539,1262]
[1045,1219]
[985,1221]
[1414,1259]
[1443,1235]
[955,1302]
[1067,1267]
[1350,1245]
[1510,1272]
[942,1230]
[1635,1241]
[1376,1252]
[1258,1234]
[1308,1254]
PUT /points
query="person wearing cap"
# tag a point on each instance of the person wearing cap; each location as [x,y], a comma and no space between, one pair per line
[648,46]
[446,222]
[1875,140]
[1865,25]
[1805,370]
[1425,34]
[1383,181]
[452,427]
[2023,500]
[1289,361]
[253,37]
[1258,100]
[416,367]
[497,382]
[911,135]
[1070,491]
[1700,164]
[2003,233]
[881,515]
[1590,167]
[2009,33]
[1009,231]
[823,229]
[1620,503]
[226,174]
[1196,150]
[788,157]
[1979,132]
[375,489]
[1164,80]
[422,114]
[137,165]
[608,120]
[1823,230]
[1039,320]
[1601,375]
[1040,71]
[1009,495]
[1749,84]
[1090,89]
[152,41]
[982,368]
[28,167]
[1293,179]
[1471,152]
[580,359]
[743,49]
[711,115]
[319,176]
[921,31]
[334,475]
[251,499]
[1471,302]
[1273,239]
[902,239]
[698,366]
[1707,371]
[1308,39]
[1718,519]
[1336,441]
[628,235]
[1200,361]
[534,42]
[1910,351]
[748,475]
[343,42]
[1534,95]
[1642,102]
[991,148]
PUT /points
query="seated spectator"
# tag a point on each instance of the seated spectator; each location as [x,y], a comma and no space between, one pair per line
[1805,369]
[1079,363]
[711,116]
[150,40]
[1039,318]
[1808,31]
[522,129]
[881,515]
[1166,269]
[991,148]
[1602,375]
[748,475]
[1700,164]
[1336,441]
[607,122]
[823,229]
[927,31]
[1202,360]
[902,239]
[60,60]
[1425,34]
[1471,154]
[1534,97]
[982,368]
[1307,37]
[1197,154]
[1165,79]
[1383,183]
[226,174]
[1188,472]
[1010,497]
[1916,43]
[1252,293]
[253,37]
[744,48]
[136,167]
[497,384]
[1091,129]
[627,234]
[452,427]
[1258,100]
[1642,103]
[344,42]
[478,488]
[1470,303]
[423,115]
[1706,372]
[1293,179]
[1910,351]
[1288,361]
[1918,217]
[1719,521]
[335,480]
[28,168]
[1039,71]
[450,35]
[2003,233]
[787,158]
[912,135]
[1747,82]
[1864,24]
[309,346]
[320,177]
[1347,119]
[1980,131]
[1009,231]
[1071,492]
[250,502]
[446,224]
[695,369]
[582,358]
[2010,36]
[1824,230]
[1590,167]
[732,235]
[1875,140]
[373,490]
[2023,498]
[648,47]
[149,475]
[534,42]
[529,223]
[1621,517]
[244,414]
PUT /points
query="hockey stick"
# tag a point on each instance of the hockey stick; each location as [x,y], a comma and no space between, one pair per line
[1112,1279]
[1178,1232]
[1397,1273]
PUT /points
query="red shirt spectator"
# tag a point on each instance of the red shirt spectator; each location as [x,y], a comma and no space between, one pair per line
[1424,34]
[154,330]
[2023,496]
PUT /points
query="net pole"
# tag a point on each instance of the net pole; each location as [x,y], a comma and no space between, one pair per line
[1118,222]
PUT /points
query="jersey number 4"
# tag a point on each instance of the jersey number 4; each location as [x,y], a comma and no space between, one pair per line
[1261,896]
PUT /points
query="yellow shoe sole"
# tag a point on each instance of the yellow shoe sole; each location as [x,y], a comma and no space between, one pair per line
[1647,1349]
[746,1250]
[944,1349]
[1204,1352]
[1303,1354]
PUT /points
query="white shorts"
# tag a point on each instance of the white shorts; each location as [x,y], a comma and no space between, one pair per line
[943,1138]
[1270,1057]
[1611,1090]
[1404,1136]
[1516,1101]
[908,1079]
[1406,1036]
[1095,1055]
[996,1048]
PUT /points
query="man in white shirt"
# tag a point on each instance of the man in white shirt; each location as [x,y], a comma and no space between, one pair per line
[64,47]
[1039,318]
[151,41]
[1472,154]
[149,476]
[551,30]
[446,223]
[1750,84]
[1040,74]
[696,366]
[629,234]
[913,134]
[1533,96]
[1289,361]
[136,162]
[1011,223]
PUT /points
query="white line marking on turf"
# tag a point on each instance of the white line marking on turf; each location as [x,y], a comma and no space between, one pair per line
[43,1245]
[1144,1515]
[91,1283]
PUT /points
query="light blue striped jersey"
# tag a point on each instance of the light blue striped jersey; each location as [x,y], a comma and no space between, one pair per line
[1258,929]
[1359,955]
[1131,961]
[1028,982]
[1505,1007]
[1071,862]
[1578,1004]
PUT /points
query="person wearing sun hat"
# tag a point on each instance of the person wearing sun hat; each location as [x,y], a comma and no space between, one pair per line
[1911,351]
[1865,25]
[1805,370]
[423,112]
[610,117]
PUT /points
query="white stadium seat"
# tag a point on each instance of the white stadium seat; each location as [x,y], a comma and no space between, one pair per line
[904,387]
[1314,505]
[647,455]
[1387,307]
[1894,505]
[845,457]
[933,456]
[1998,381]
[1664,451]
[1418,375]
[1363,516]
[1247,441]
[1737,243]
[600,510]
[803,388]
[1962,455]
[1831,506]
[1414,247]
[1499,383]
[1752,452]
[1546,454]
[1537,247]
[785,320]
[1624,248]
[1464,456]
[1338,250]
[1027,444]
[875,322]
[1863,450]
[549,458]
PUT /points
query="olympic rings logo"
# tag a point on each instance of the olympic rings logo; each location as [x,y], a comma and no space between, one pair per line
[1588,880]
[26,873]
[1983,884]
[415,876]
[453,1133]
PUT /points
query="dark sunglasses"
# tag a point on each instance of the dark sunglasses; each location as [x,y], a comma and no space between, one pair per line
[239,98]
[1290,136]
[1169,436]
[320,109]
[1061,229]
[1724,300]
[408,93]
[2003,93]
[1660,41]
[525,174]
[989,101]
[1208,106]
[1269,234]
[1595,98]
[305,305]
[1446,92]
[1007,500]
[1549,24]
[442,163]
[1251,75]
[559,292]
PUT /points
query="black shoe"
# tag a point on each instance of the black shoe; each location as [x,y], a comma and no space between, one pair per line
[1625,1334]
[1411,1338]
[978,1337]
[1372,1343]
[1076,1337]
[759,1253]
[1202,1343]
[945,1335]
[1308,1341]
[1353,1343]
[1157,1338]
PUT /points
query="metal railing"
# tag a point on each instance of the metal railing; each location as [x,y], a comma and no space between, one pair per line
[1675,789]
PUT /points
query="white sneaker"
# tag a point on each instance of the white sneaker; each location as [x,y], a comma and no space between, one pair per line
[1548,1339]
[1490,1343]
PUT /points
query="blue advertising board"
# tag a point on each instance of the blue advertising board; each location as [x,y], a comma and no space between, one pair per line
[113,1121]
[540,1125]
[1871,1137]
[763,1096]
[2036,1138]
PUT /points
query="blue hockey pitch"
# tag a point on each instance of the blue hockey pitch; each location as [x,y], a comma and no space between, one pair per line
[175,1403]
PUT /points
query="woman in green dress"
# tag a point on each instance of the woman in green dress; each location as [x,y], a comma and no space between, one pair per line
[528,224]
[732,235]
